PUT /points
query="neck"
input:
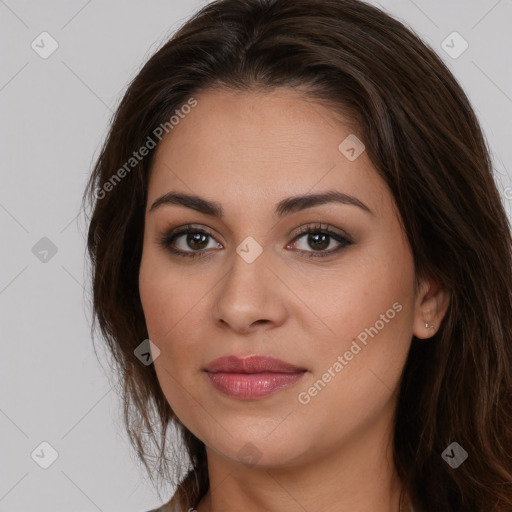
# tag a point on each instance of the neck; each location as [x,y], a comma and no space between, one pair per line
[356,477]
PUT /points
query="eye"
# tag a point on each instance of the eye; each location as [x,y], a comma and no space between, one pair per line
[194,238]
[198,240]
[319,239]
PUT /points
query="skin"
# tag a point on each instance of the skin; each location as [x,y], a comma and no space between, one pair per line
[247,151]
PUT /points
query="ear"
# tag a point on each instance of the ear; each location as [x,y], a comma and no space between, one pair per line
[431,303]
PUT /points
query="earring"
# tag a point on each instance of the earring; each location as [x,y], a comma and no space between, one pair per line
[429,325]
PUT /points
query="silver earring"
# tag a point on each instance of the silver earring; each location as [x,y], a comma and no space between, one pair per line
[429,325]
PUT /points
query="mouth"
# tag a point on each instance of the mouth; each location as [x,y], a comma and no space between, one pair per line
[252,377]
[251,364]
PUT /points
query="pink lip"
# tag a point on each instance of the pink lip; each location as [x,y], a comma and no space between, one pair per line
[251,364]
[252,377]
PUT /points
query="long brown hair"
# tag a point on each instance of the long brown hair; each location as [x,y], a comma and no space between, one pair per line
[424,139]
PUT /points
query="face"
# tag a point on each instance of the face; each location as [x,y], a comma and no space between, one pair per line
[326,287]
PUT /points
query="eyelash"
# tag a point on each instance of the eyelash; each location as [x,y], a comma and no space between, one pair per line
[168,238]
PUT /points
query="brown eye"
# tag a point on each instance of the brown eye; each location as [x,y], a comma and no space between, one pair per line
[319,240]
[192,242]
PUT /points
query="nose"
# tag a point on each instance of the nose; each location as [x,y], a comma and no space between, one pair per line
[250,295]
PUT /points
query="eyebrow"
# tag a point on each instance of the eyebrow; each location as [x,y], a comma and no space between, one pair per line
[285,207]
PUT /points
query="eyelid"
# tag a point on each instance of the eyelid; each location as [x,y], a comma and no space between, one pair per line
[319,226]
[182,229]
[174,233]
[304,228]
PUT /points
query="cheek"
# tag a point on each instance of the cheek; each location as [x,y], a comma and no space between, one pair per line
[169,293]
[373,350]
[169,327]
[157,289]
[356,298]
[171,305]
[151,297]
[369,306]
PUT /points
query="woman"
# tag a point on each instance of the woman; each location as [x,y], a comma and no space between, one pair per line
[302,263]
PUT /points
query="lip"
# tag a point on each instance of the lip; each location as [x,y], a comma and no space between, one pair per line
[252,377]
[251,364]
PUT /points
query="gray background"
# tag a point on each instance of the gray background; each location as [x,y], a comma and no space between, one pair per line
[54,117]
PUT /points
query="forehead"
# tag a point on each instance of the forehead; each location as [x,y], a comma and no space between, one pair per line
[259,147]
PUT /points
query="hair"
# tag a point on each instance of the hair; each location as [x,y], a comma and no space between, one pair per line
[423,138]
